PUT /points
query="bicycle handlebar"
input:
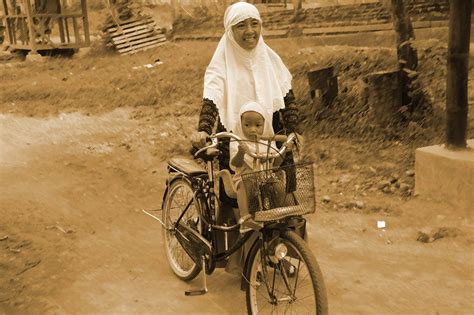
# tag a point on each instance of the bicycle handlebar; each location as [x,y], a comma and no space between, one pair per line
[280,138]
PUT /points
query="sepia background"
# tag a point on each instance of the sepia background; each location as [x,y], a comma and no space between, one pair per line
[87,125]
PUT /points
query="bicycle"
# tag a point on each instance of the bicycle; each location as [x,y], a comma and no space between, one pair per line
[280,270]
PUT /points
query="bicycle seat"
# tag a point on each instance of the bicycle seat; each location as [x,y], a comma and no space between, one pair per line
[187,166]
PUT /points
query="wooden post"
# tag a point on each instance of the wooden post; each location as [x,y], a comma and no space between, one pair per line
[458,61]
[407,56]
[31,29]
[323,85]
[384,96]
[85,22]
[8,21]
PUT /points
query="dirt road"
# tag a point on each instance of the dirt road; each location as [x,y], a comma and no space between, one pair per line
[73,238]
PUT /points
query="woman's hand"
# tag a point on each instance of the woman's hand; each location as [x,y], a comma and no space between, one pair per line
[198,139]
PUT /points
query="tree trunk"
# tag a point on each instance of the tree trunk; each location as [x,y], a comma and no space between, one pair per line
[406,54]
[458,61]
[297,7]
[174,10]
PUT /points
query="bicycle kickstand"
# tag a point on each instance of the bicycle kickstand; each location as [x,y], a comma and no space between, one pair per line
[204,284]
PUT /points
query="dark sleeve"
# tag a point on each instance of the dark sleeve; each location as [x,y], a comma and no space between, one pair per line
[208,116]
[290,113]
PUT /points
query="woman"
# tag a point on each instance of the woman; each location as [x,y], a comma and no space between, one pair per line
[244,69]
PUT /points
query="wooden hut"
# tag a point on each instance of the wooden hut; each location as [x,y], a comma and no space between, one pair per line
[43,25]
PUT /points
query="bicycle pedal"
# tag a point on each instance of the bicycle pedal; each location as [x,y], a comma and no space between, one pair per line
[195,292]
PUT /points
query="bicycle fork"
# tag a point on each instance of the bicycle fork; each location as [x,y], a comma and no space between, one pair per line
[203,290]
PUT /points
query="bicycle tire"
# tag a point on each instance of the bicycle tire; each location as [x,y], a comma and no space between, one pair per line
[181,264]
[298,247]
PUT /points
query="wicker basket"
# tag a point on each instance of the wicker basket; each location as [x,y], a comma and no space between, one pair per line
[281,192]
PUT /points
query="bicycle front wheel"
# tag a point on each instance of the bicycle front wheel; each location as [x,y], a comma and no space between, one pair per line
[180,196]
[290,285]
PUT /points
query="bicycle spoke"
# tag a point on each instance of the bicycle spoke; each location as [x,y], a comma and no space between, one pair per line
[296,277]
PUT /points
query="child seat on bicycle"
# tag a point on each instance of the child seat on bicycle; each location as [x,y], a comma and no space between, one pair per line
[252,124]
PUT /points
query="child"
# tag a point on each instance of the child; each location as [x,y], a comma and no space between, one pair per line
[251,126]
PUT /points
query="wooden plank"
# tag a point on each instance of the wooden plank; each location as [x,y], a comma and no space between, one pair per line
[51,15]
[129,44]
[135,33]
[123,27]
[61,29]
[136,37]
[77,38]
[136,20]
[347,29]
[139,46]
[67,30]
[131,30]
[143,48]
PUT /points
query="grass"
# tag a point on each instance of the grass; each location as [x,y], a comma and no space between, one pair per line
[102,81]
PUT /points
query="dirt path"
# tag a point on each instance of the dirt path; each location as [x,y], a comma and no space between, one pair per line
[72,190]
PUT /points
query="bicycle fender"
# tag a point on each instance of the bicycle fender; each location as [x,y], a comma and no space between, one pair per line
[170,181]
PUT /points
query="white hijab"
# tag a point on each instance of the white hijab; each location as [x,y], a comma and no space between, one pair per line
[236,76]
[256,147]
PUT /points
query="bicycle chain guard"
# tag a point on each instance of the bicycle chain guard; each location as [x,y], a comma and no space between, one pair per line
[195,245]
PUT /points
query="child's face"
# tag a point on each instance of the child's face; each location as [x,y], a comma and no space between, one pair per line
[252,125]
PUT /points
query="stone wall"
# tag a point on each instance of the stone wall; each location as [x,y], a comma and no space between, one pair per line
[356,14]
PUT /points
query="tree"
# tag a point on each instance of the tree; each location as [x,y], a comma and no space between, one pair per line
[406,53]
[456,85]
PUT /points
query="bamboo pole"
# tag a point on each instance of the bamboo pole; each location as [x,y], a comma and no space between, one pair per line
[31,30]
[456,83]
[85,22]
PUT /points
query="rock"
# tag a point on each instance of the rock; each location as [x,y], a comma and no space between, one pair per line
[410,173]
[393,178]
[404,187]
[350,204]
[387,189]
[326,199]
[445,232]
[359,204]
[383,184]
[34,57]
[423,237]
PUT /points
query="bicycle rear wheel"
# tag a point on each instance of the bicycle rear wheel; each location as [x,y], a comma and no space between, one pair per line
[291,285]
[180,194]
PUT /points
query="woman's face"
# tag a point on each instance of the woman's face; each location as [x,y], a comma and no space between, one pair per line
[247,33]
[252,125]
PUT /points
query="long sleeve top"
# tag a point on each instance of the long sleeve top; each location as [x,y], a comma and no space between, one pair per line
[284,120]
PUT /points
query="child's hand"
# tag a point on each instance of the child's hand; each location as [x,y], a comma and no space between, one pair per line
[290,146]
[243,147]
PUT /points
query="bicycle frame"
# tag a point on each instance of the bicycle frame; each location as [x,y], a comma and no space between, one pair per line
[205,194]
